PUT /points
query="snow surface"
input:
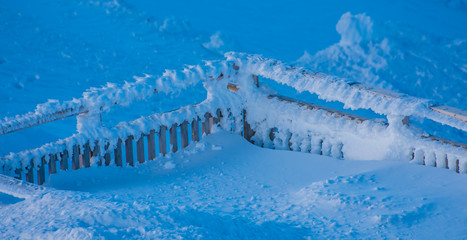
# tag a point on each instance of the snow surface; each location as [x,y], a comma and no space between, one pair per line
[59,49]
[224,187]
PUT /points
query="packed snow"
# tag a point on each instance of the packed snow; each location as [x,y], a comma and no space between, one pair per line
[225,188]
[130,62]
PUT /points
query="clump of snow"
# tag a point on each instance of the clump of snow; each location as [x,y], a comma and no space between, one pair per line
[215,42]
[169,165]
[356,56]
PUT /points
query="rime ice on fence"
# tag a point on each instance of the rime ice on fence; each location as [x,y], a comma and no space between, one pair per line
[235,103]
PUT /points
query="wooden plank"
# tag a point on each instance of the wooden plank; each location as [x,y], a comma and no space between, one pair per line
[118,153]
[75,157]
[173,138]
[52,164]
[87,155]
[41,172]
[184,134]
[152,145]
[255,80]
[140,149]
[64,160]
[195,130]
[129,150]
[163,140]
[208,122]
[29,120]
[30,172]
[247,131]
[107,158]
[377,91]
[203,128]
[96,152]
[451,111]
[218,117]
[446,141]
[311,106]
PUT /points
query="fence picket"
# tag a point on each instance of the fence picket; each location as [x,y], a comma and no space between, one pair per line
[53,164]
[75,157]
[41,172]
[152,145]
[129,150]
[195,130]
[184,134]
[140,149]
[163,140]
[173,138]
[64,160]
[87,155]
[118,153]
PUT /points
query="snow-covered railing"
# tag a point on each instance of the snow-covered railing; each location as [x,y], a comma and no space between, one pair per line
[236,103]
[141,140]
[353,94]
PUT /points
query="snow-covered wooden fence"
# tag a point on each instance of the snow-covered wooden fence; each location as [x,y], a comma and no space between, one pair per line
[238,105]
[126,152]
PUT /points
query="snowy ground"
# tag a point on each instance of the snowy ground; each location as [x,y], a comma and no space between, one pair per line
[58,49]
[224,187]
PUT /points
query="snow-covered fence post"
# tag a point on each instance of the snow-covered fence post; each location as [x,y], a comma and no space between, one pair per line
[162,140]
[152,145]
[129,150]
[184,133]
[140,149]
[195,130]
[173,138]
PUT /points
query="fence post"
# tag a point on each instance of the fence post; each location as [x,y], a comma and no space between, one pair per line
[52,164]
[140,149]
[195,130]
[173,138]
[118,153]
[41,172]
[152,145]
[75,157]
[247,131]
[184,134]
[129,150]
[163,140]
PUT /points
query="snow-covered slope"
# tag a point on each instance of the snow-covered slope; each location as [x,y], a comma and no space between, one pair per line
[58,49]
[224,187]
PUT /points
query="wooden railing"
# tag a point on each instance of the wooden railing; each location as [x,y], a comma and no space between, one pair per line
[157,142]
[143,148]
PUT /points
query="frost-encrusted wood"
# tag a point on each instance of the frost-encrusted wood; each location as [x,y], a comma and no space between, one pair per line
[118,153]
[163,140]
[451,111]
[173,138]
[195,130]
[75,160]
[330,111]
[184,134]
[152,145]
[140,149]
[129,150]
[31,120]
